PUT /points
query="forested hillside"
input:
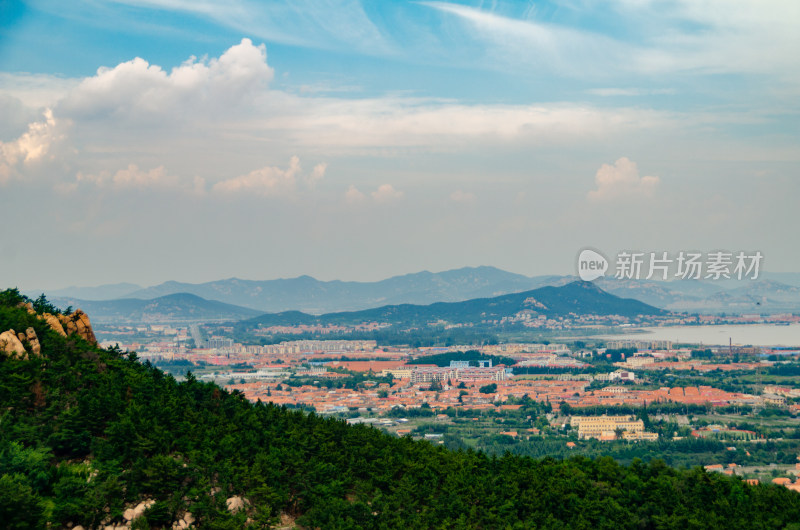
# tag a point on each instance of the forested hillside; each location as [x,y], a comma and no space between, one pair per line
[87,434]
[581,298]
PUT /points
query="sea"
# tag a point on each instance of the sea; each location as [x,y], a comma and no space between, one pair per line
[739,334]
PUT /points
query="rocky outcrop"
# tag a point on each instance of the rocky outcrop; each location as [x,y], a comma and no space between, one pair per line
[30,337]
[11,345]
[287,522]
[185,522]
[133,513]
[75,323]
[236,503]
[78,323]
[33,341]
[54,323]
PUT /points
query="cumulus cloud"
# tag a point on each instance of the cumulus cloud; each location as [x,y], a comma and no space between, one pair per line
[192,117]
[217,116]
[31,147]
[272,181]
[462,197]
[316,175]
[267,181]
[16,117]
[138,90]
[622,180]
[386,193]
[133,177]
[354,196]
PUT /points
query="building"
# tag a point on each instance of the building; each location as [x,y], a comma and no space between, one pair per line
[398,373]
[429,375]
[601,427]
[622,375]
[643,435]
[219,343]
[320,346]
[471,374]
[639,344]
[481,374]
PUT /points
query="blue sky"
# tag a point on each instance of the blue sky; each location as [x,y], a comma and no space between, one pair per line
[358,140]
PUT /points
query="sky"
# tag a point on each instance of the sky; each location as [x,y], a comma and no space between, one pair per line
[194,140]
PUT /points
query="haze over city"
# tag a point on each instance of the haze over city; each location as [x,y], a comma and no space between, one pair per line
[150,140]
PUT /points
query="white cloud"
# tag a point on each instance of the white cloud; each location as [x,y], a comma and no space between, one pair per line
[272,181]
[749,36]
[316,175]
[138,91]
[36,90]
[354,196]
[30,148]
[333,24]
[622,181]
[462,197]
[217,116]
[436,125]
[132,177]
[386,193]
[268,181]
[194,117]
[689,36]
[528,43]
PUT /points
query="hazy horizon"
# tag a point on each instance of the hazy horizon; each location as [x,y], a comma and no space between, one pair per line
[730,283]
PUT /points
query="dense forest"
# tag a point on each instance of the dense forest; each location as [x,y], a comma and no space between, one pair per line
[87,433]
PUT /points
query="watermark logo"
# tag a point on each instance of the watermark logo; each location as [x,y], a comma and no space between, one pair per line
[630,265]
[591,265]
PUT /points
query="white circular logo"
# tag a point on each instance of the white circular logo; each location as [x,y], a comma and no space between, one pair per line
[591,265]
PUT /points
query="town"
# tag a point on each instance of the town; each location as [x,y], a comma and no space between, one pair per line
[566,397]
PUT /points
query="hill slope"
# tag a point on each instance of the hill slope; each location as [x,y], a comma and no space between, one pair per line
[88,434]
[578,297]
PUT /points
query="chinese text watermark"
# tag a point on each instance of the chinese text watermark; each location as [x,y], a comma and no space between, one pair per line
[684,265]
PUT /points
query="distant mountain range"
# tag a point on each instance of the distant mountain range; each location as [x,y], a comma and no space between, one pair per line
[109,291]
[582,298]
[305,293]
[772,293]
[695,296]
[181,307]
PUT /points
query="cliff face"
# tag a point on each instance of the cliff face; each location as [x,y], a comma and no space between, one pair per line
[78,323]
[20,345]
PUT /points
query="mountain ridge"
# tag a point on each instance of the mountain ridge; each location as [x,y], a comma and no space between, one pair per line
[577,297]
[307,294]
[178,307]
